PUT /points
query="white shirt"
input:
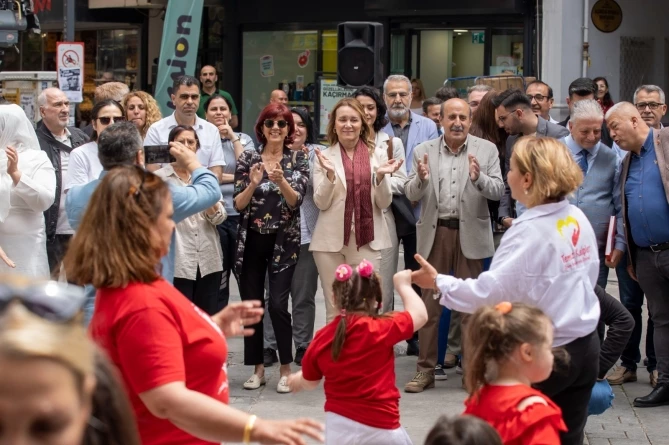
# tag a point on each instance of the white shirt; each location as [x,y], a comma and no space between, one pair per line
[84,165]
[210,153]
[63,225]
[549,259]
[196,237]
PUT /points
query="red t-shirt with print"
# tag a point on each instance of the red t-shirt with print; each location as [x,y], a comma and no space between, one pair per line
[538,424]
[360,385]
[156,336]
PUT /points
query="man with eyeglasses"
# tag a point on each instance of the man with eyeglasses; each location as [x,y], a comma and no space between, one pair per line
[413,129]
[585,88]
[57,140]
[541,97]
[186,99]
[649,100]
[513,111]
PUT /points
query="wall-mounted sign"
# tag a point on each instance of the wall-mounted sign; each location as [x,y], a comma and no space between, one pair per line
[478,37]
[267,66]
[70,67]
[606,15]
[330,94]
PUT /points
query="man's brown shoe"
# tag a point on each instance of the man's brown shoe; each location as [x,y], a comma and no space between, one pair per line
[621,375]
[420,382]
[450,361]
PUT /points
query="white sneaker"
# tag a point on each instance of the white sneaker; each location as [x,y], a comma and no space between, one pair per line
[255,382]
[282,387]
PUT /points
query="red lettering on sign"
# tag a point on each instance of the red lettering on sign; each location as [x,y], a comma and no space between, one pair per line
[42,5]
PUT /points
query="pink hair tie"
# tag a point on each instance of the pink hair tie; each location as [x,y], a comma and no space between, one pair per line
[365,269]
[343,272]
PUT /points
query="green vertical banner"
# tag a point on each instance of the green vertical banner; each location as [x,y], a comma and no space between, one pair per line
[178,49]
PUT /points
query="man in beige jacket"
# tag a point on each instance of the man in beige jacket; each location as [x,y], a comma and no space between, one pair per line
[453,177]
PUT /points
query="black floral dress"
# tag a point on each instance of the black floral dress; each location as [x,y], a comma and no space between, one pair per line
[268,208]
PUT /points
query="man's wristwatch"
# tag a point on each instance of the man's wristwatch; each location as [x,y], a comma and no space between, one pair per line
[501,219]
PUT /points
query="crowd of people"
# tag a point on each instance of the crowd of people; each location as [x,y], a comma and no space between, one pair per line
[155,242]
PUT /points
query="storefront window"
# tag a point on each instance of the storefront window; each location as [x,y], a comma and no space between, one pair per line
[507,52]
[32,52]
[278,59]
[117,56]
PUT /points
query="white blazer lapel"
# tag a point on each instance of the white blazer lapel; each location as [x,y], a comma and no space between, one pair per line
[338,163]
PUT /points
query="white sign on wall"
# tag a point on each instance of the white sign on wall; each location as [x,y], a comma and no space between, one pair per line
[330,94]
[70,67]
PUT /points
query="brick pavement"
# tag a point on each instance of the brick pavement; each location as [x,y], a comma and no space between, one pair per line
[620,425]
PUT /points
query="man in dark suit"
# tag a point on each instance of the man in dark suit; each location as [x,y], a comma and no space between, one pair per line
[581,89]
[514,113]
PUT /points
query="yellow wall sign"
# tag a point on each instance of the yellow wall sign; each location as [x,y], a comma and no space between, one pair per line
[606,15]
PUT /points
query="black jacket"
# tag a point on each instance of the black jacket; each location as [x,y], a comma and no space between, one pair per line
[49,144]
[620,323]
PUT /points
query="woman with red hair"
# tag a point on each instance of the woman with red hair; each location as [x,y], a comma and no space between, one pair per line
[270,184]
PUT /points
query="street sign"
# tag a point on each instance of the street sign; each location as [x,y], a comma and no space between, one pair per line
[70,68]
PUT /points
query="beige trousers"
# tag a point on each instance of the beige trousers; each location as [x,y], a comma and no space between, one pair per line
[327,263]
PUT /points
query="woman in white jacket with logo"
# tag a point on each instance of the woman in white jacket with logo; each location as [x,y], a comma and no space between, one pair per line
[549,259]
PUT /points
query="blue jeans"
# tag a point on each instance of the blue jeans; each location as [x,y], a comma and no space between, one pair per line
[601,398]
[631,296]
[603,277]
[89,303]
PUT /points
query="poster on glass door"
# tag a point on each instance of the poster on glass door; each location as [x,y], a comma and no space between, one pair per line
[330,94]
[70,68]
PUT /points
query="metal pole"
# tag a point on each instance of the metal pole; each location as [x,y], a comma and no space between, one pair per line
[69,20]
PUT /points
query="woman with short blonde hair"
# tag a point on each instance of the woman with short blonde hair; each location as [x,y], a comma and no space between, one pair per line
[417,95]
[351,189]
[548,258]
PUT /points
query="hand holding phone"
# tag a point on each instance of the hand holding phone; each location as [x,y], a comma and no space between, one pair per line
[158,154]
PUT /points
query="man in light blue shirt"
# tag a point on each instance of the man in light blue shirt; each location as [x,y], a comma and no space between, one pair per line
[598,196]
[121,144]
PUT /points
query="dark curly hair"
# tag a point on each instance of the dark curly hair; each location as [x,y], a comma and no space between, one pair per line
[381,108]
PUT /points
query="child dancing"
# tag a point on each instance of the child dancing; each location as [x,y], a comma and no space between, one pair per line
[354,353]
[508,350]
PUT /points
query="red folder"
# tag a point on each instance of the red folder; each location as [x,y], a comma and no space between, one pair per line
[610,238]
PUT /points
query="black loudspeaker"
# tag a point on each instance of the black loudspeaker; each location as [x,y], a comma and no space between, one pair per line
[359,46]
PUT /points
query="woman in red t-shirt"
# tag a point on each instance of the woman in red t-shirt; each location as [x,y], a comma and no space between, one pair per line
[508,350]
[355,354]
[171,355]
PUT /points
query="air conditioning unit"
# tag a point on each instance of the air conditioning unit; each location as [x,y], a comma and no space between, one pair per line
[98,4]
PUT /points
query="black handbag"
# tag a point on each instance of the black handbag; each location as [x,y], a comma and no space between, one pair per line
[405,221]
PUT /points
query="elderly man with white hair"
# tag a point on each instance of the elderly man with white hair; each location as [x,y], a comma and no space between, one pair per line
[599,194]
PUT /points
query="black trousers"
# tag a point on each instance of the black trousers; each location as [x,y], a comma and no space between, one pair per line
[203,291]
[258,253]
[570,386]
[55,251]
[227,233]
[652,269]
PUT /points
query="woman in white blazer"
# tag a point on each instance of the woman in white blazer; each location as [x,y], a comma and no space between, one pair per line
[548,258]
[375,114]
[351,189]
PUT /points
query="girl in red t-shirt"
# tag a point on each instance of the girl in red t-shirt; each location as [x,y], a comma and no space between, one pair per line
[508,348]
[354,353]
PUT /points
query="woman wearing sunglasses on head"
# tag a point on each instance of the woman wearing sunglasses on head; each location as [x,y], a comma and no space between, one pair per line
[84,165]
[351,188]
[171,355]
[270,184]
[47,369]
[198,256]
[27,189]
[218,112]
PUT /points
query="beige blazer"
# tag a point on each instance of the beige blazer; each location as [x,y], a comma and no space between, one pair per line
[475,227]
[330,198]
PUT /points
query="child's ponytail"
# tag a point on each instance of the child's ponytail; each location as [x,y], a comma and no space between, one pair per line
[492,333]
[357,291]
